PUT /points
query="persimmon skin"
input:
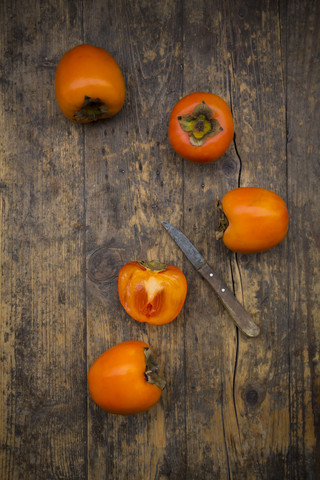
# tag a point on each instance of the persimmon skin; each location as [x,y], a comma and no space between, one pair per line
[154,297]
[88,71]
[258,219]
[214,147]
[117,381]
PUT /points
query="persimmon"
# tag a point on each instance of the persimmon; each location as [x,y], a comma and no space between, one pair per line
[125,379]
[152,292]
[89,84]
[201,127]
[252,219]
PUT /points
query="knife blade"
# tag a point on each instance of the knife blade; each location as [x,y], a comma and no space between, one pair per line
[239,315]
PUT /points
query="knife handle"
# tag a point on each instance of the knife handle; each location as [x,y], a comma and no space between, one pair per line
[239,315]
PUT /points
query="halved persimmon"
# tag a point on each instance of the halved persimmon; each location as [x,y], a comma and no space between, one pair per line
[152,292]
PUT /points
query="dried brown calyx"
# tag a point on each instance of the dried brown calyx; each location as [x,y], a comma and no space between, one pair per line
[153,265]
[91,110]
[152,370]
[223,222]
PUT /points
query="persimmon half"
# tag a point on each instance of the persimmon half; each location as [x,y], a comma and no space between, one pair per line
[152,292]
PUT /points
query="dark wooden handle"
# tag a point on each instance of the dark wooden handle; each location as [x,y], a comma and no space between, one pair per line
[239,315]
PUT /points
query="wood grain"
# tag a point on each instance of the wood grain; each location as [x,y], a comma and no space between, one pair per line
[79,201]
[131,179]
[43,362]
[301,41]
[262,372]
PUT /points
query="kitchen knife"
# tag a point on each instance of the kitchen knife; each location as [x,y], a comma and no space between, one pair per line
[239,315]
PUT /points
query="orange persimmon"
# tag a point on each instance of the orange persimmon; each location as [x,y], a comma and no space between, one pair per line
[253,219]
[125,379]
[201,127]
[152,292]
[89,84]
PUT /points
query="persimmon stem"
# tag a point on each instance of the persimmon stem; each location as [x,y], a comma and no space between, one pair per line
[223,221]
[152,370]
[153,265]
[92,109]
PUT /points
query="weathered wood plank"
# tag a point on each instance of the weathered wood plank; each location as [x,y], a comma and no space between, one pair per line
[301,40]
[43,424]
[210,335]
[93,196]
[236,39]
[133,182]
[261,381]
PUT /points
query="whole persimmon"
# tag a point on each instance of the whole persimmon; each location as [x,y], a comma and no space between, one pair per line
[125,379]
[201,127]
[252,219]
[89,84]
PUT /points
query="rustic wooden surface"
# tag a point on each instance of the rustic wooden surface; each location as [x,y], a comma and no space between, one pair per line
[77,202]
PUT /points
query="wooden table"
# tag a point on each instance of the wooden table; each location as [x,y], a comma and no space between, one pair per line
[79,201]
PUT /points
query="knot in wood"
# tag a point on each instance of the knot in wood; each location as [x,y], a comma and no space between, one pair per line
[229,167]
[252,397]
[104,264]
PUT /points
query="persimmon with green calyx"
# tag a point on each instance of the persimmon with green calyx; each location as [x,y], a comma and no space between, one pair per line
[152,292]
[201,127]
[252,220]
[89,84]
[125,379]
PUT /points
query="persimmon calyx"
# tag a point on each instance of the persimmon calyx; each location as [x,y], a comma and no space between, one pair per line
[152,370]
[223,221]
[153,265]
[92,109]
[200,125]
